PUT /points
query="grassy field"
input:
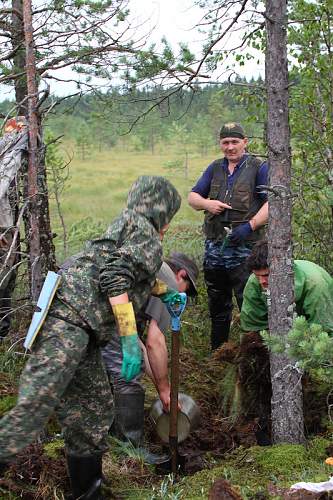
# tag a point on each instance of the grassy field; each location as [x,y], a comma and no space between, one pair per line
[97,188]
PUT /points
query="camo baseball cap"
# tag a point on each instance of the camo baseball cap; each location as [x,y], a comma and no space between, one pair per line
[232,130]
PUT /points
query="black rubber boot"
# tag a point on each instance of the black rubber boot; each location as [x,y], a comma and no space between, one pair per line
[85,475]
[263,434]
[219,333]
[219,291]
[3,468]
[129,423]
[129,417]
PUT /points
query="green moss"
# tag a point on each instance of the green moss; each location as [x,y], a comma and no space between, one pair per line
[280,459]
[7,403]
[250,470]
[53,449]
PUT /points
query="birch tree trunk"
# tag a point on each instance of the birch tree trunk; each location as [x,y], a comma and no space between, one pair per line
[287,404]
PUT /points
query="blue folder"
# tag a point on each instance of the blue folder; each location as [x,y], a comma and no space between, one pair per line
[46,295]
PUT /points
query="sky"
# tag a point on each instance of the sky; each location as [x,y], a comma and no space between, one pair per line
[170,18]
[177,20]
[174,19]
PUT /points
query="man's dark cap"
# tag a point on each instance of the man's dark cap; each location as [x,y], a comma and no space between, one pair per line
[181,261]
[232,130]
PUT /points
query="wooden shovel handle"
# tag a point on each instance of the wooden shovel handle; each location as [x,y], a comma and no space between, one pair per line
[174,384]
[173,431]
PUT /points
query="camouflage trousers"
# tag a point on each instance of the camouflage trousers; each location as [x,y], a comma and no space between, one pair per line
[113,358]
[66,374]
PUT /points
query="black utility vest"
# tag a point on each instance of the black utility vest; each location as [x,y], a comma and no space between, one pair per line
[241,196]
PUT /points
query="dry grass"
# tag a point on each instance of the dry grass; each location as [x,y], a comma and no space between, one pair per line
[98,186]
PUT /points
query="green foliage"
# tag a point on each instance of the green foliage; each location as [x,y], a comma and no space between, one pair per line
[83,140]
[312,127]
[10,364]
[58,174]
[230,394]
[90,36]
[185,237]
[7,495]
[311,112]
[310,345]
[7,403]
[55,164]
[82,231]
[185,119]
[173,164]
[165,490]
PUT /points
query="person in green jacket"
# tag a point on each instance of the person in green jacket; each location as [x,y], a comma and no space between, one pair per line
[313,292]
[102,290]
[314,301]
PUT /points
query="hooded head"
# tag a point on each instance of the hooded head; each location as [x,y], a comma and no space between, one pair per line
[155,198]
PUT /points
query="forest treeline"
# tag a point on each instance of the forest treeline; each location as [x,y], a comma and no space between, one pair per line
[190,117]
[189,121]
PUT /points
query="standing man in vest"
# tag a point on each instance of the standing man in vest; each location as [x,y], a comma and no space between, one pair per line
[235,211]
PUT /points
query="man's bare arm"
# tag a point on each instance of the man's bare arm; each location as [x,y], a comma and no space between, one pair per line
[158,360]
[197,202]
[260,218]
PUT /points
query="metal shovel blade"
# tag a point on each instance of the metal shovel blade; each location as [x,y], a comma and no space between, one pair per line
[174,464]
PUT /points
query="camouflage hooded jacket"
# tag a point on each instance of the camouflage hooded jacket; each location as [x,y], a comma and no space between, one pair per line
[126,259]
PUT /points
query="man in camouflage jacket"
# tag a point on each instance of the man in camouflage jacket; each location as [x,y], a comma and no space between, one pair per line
[65,372]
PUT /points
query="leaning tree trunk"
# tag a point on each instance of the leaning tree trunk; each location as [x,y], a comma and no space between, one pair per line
[33,235]
[287,408]
[18,44]
[46,235]
[38,232]
[20,84]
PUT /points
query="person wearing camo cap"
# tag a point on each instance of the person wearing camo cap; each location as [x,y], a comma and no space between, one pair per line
[235,211]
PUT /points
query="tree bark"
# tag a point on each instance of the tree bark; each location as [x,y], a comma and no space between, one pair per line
[48,259]
[18,45]
[33,235]
[287,405]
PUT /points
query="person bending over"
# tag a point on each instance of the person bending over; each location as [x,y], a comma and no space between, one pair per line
[102,289]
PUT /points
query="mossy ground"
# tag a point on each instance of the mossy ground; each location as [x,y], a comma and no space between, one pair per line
[251,470]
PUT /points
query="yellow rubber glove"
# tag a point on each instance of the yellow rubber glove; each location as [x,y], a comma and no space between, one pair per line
[126,324]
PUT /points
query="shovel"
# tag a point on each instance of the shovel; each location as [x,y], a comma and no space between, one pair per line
[176,463]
